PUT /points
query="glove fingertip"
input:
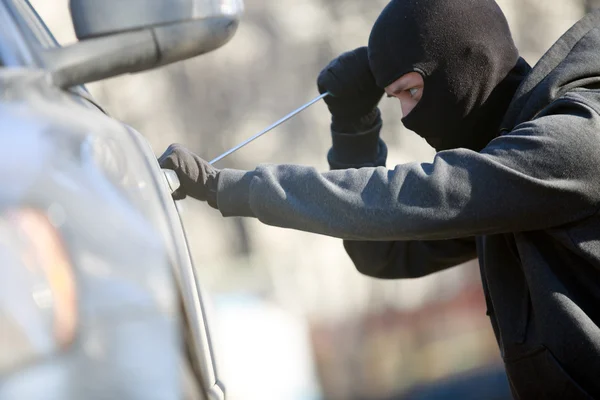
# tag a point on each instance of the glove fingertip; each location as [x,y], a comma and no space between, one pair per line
[178,195]
[166,162]
[334,86]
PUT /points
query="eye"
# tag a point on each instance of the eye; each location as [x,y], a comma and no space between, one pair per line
[413,92]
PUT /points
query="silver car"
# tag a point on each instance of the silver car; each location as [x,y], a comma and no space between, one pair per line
[98,294]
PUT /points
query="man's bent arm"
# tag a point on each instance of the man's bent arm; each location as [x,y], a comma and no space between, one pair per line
[408,258]
[390,259]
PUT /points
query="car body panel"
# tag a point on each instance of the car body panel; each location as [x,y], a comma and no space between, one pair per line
[61,150]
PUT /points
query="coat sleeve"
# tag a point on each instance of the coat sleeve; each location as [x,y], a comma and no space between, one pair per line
[542,174]
[408,258]
[391,259]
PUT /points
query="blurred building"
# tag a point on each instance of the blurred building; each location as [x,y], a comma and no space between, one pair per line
[369,339]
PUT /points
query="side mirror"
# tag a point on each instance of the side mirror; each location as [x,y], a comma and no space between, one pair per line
[118,36]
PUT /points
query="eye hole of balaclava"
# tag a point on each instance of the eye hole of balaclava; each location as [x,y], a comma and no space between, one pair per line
[462,48]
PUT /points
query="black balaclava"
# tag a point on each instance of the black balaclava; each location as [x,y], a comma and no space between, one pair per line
[470,65]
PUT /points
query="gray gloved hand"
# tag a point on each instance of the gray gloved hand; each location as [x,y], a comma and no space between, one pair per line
[197,177]
[354,94]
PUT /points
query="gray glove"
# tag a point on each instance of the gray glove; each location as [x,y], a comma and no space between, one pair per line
[198,179]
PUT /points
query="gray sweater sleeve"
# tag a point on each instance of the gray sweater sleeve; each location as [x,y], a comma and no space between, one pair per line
[390,259]
[542,174]
[408,258]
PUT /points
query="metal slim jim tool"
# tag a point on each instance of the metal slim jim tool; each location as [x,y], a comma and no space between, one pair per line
[269,128]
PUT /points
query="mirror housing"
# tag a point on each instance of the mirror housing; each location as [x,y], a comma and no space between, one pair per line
[117,36]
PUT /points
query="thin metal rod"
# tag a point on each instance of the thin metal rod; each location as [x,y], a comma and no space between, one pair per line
[270,127]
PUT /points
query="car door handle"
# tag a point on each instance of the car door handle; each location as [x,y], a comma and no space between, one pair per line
[172,179]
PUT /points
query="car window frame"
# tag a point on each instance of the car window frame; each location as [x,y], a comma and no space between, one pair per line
[15,50]
[35,37]
[36,29]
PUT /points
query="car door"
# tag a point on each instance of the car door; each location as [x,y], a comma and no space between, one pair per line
[198,364]
[196,320]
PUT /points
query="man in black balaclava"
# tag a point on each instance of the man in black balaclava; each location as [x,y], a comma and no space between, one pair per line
[515,182]
[465,54]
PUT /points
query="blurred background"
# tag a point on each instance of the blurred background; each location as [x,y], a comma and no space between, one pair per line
[292,318]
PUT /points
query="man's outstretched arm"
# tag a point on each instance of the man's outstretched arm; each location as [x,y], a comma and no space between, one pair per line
[542,174]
